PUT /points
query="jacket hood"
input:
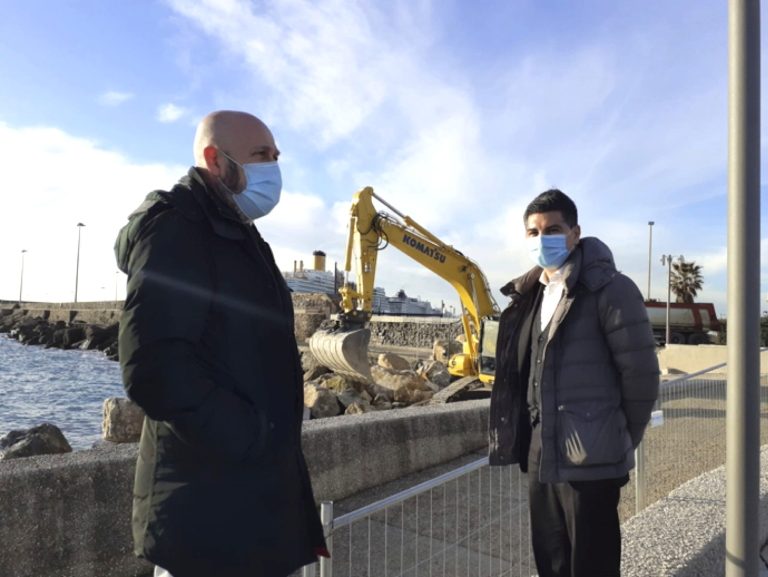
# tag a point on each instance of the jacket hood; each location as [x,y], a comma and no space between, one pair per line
[591,263]
[188,197]
[596,267]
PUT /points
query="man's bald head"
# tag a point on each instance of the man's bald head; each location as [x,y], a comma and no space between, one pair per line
[228,135]
[228,130]
[225,141]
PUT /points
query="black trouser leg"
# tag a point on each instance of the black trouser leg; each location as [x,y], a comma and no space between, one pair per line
[591,512]
[574,526]
[549,534]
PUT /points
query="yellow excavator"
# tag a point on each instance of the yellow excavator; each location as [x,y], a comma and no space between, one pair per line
[343,347]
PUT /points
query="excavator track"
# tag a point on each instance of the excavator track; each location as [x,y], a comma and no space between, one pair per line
[344,352]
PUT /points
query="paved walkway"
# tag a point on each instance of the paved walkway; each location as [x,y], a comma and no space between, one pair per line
[477,526]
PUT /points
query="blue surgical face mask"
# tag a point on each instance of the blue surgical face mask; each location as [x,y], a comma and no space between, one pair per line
[549,251]
[263,183]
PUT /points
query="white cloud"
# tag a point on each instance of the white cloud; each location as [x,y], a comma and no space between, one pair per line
[114,98]
[170,112]
[329,66]
[47,208]
[47,205]
[631,124]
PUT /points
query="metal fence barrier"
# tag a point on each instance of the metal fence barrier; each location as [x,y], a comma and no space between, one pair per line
[467,522]
[473,521]
[686,436]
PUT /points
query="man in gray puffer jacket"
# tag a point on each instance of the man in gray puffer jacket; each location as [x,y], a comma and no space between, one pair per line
[576,380]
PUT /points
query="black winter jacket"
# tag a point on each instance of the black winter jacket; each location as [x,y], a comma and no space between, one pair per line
[600,372]
[207,349]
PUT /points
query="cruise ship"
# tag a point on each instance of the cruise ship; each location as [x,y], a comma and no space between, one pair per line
[319,280]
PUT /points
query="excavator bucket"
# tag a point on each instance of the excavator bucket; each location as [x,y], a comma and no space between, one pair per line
[344,352]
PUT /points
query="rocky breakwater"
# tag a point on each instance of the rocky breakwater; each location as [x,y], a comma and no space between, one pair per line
[396,384]
[31,329]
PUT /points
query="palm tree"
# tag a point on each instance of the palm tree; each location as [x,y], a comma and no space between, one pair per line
[686,280]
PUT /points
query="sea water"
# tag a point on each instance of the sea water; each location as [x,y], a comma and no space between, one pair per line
[64,387]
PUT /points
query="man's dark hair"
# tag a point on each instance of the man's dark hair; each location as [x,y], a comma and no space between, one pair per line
[551,200]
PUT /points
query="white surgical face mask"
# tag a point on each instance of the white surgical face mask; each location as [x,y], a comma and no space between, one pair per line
[263,183]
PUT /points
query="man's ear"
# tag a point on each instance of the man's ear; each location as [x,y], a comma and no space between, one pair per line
[212,160]
[576,231]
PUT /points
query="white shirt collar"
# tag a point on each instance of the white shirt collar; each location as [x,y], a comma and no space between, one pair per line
[557,277]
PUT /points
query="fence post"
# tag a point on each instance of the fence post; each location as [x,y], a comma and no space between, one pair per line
[640,477]
[326,518]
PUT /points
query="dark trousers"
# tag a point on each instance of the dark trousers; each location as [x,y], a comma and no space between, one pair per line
[575,525]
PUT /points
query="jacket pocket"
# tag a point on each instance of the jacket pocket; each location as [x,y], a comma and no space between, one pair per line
[587,435]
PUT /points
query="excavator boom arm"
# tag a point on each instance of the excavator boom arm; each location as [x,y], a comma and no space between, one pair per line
[345,349]
[371,229]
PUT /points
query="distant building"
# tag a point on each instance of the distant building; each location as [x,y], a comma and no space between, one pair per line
[318,280]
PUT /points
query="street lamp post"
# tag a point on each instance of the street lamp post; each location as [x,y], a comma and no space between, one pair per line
[21,276]
[80,225]
[650,250]
[666,260]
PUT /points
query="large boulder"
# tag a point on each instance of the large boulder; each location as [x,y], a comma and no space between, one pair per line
[99,336]
[311,310]
[394,380]
[44,333]
[393,361]
[9,318]
[351,397]
[312,369]
[45,439]
[357,408]
[308,360]
[442,349]
[382,402]
[122,421]
[406,387]
[321,402]
[57,338]
[407,396]
[340,383]
[73,336]
[112,352]
[435,372]
[306,322]
[27,330]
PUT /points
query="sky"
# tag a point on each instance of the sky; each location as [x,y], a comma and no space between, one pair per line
[457,113]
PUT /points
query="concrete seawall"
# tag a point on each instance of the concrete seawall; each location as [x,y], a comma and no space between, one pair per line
[310,311]
[105,313]
[69,515]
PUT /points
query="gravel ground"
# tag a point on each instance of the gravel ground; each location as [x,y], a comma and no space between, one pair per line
[689,443]
[683,534]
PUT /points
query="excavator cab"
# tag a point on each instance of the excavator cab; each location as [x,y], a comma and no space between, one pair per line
[489,332]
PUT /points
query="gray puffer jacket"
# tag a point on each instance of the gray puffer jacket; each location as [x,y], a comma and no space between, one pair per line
[600,377]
